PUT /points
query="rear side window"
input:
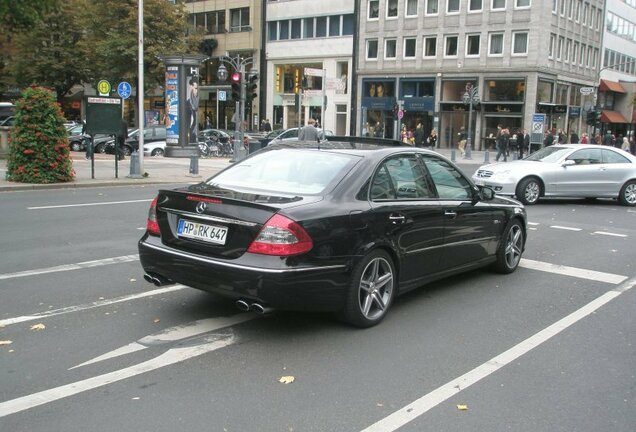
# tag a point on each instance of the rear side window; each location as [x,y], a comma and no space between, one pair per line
[450,183]
[400,178]
[303,172]
[613,157]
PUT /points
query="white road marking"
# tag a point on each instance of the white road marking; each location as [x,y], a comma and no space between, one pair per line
[420,406]
[533,223]
[609,234]
[78,308]
[173,334]
[572,271]
[88,204]
[76,266]
[172,356]
[565,228]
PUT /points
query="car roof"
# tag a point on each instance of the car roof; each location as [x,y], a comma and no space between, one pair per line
[351,145]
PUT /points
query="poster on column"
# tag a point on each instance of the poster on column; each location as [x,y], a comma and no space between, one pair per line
[172,105]
[192,105]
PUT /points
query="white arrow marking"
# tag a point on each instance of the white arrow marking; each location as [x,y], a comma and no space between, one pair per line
[173,334]
[172,356]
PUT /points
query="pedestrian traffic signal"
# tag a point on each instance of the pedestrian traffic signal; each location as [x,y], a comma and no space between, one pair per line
[593,117]
[252,85]
[236,86]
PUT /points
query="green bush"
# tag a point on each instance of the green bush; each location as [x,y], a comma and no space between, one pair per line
[38,144]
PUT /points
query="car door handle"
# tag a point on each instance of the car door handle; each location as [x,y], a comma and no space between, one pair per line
[450,214]
[397,218]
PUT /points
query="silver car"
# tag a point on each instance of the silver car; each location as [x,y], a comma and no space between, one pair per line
[565,170]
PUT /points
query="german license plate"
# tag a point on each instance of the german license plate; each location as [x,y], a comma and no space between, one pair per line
[208,233]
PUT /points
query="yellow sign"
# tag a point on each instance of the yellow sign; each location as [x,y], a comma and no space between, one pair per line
[103,87]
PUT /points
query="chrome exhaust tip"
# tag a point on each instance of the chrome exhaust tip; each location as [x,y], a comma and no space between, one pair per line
[148,278]
[242,305]
[260,309]
[157,279]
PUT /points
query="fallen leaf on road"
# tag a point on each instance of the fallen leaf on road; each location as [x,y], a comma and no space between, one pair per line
[7,342]
[38,327]
[462,407]
[287,379]
[156,320]
[133,280]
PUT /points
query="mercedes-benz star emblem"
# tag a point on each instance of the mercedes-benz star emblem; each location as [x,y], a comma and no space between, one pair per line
[201,206]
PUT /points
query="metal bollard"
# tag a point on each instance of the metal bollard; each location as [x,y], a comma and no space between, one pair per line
[453,155]
[486,156]
[194,165]
[135,168]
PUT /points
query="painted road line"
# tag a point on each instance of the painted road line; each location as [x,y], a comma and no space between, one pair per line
[97,304]
[572,271]
[605,233]
[170,357]
[173,334]
[533,223]
[88,204]
[420,406]
[565,228]
[68,267]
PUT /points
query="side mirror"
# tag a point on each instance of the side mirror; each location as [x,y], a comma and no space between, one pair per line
[568,163]
[486,193]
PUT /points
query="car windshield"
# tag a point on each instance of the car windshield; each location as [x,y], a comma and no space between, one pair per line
[548,154]
[286,171]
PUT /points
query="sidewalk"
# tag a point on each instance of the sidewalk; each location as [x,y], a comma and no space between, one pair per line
[159,170]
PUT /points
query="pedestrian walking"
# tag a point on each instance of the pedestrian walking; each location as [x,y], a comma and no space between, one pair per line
[502,140]
[523,141]
[461,144]
[419,135]
[310,133]
[432,139]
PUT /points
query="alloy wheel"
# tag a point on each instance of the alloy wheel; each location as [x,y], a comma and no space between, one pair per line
[514,246]
[376,288]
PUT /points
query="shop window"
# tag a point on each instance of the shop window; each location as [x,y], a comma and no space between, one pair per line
[544,91]
[504,90]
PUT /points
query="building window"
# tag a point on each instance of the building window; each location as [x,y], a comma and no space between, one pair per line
[374,9]
[586,10]
[215,22]
[560,48]
[450,46]
[554,7]
[334,26]
[452,6]
[390,50]
[520,43]
[411,8]
[551,47]
[495,44]
[432,7]
[347,25]
[568,48]
[308,28]
[240,20]
[575,51]
[409,48]
[295,28]
[475,5]
[372,49]
[430,46]
[520,4]
[498,4]
[472,45]
[582,56]
[283,30]
[577,11]
[392,9]
[321,27]
[272,30]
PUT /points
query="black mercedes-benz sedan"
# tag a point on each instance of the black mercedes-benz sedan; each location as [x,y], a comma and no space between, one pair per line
[336,226]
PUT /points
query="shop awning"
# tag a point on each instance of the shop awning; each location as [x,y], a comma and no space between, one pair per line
[612,117]
[607,85]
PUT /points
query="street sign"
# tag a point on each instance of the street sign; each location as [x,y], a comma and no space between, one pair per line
[124,90]
[103,87]
[586,90]
[313,72]
[221,95]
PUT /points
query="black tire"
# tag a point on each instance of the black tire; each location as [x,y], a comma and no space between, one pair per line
[510,248]
[157,152]
[127,151]
[100,148]
[627,196]
[76,146]
[373,287]
[529,191]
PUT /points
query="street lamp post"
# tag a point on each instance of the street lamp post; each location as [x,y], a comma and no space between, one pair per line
[238,64]
[470,98]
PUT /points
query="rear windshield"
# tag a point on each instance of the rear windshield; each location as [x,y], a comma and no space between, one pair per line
[287,171]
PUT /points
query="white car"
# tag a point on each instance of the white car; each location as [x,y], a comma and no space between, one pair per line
[564,170]
[292,135]
[155,148]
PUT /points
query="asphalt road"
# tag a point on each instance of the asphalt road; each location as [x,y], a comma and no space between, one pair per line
[93,347]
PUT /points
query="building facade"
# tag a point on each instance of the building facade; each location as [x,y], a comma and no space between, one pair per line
[308,50]
[417,59]
[231,28]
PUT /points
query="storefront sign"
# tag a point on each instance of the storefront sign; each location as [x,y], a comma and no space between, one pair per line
[419,103]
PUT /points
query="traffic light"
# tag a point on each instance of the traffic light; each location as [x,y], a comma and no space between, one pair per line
[591,118]
[252,85]
[597,117]
[236,86]
[297,101]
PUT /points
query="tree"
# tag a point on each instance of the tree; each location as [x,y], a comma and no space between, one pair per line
[38,148]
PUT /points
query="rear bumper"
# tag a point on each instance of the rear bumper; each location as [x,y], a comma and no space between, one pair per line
[280,284]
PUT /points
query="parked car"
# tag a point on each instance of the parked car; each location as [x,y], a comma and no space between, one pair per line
[8,121]
[342,227]
[155,148]
[151,134]
[565,170]
[291,134]
[7,109]
[215,135]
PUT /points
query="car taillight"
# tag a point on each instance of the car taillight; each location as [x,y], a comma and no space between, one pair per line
[151,224]
[281,236]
